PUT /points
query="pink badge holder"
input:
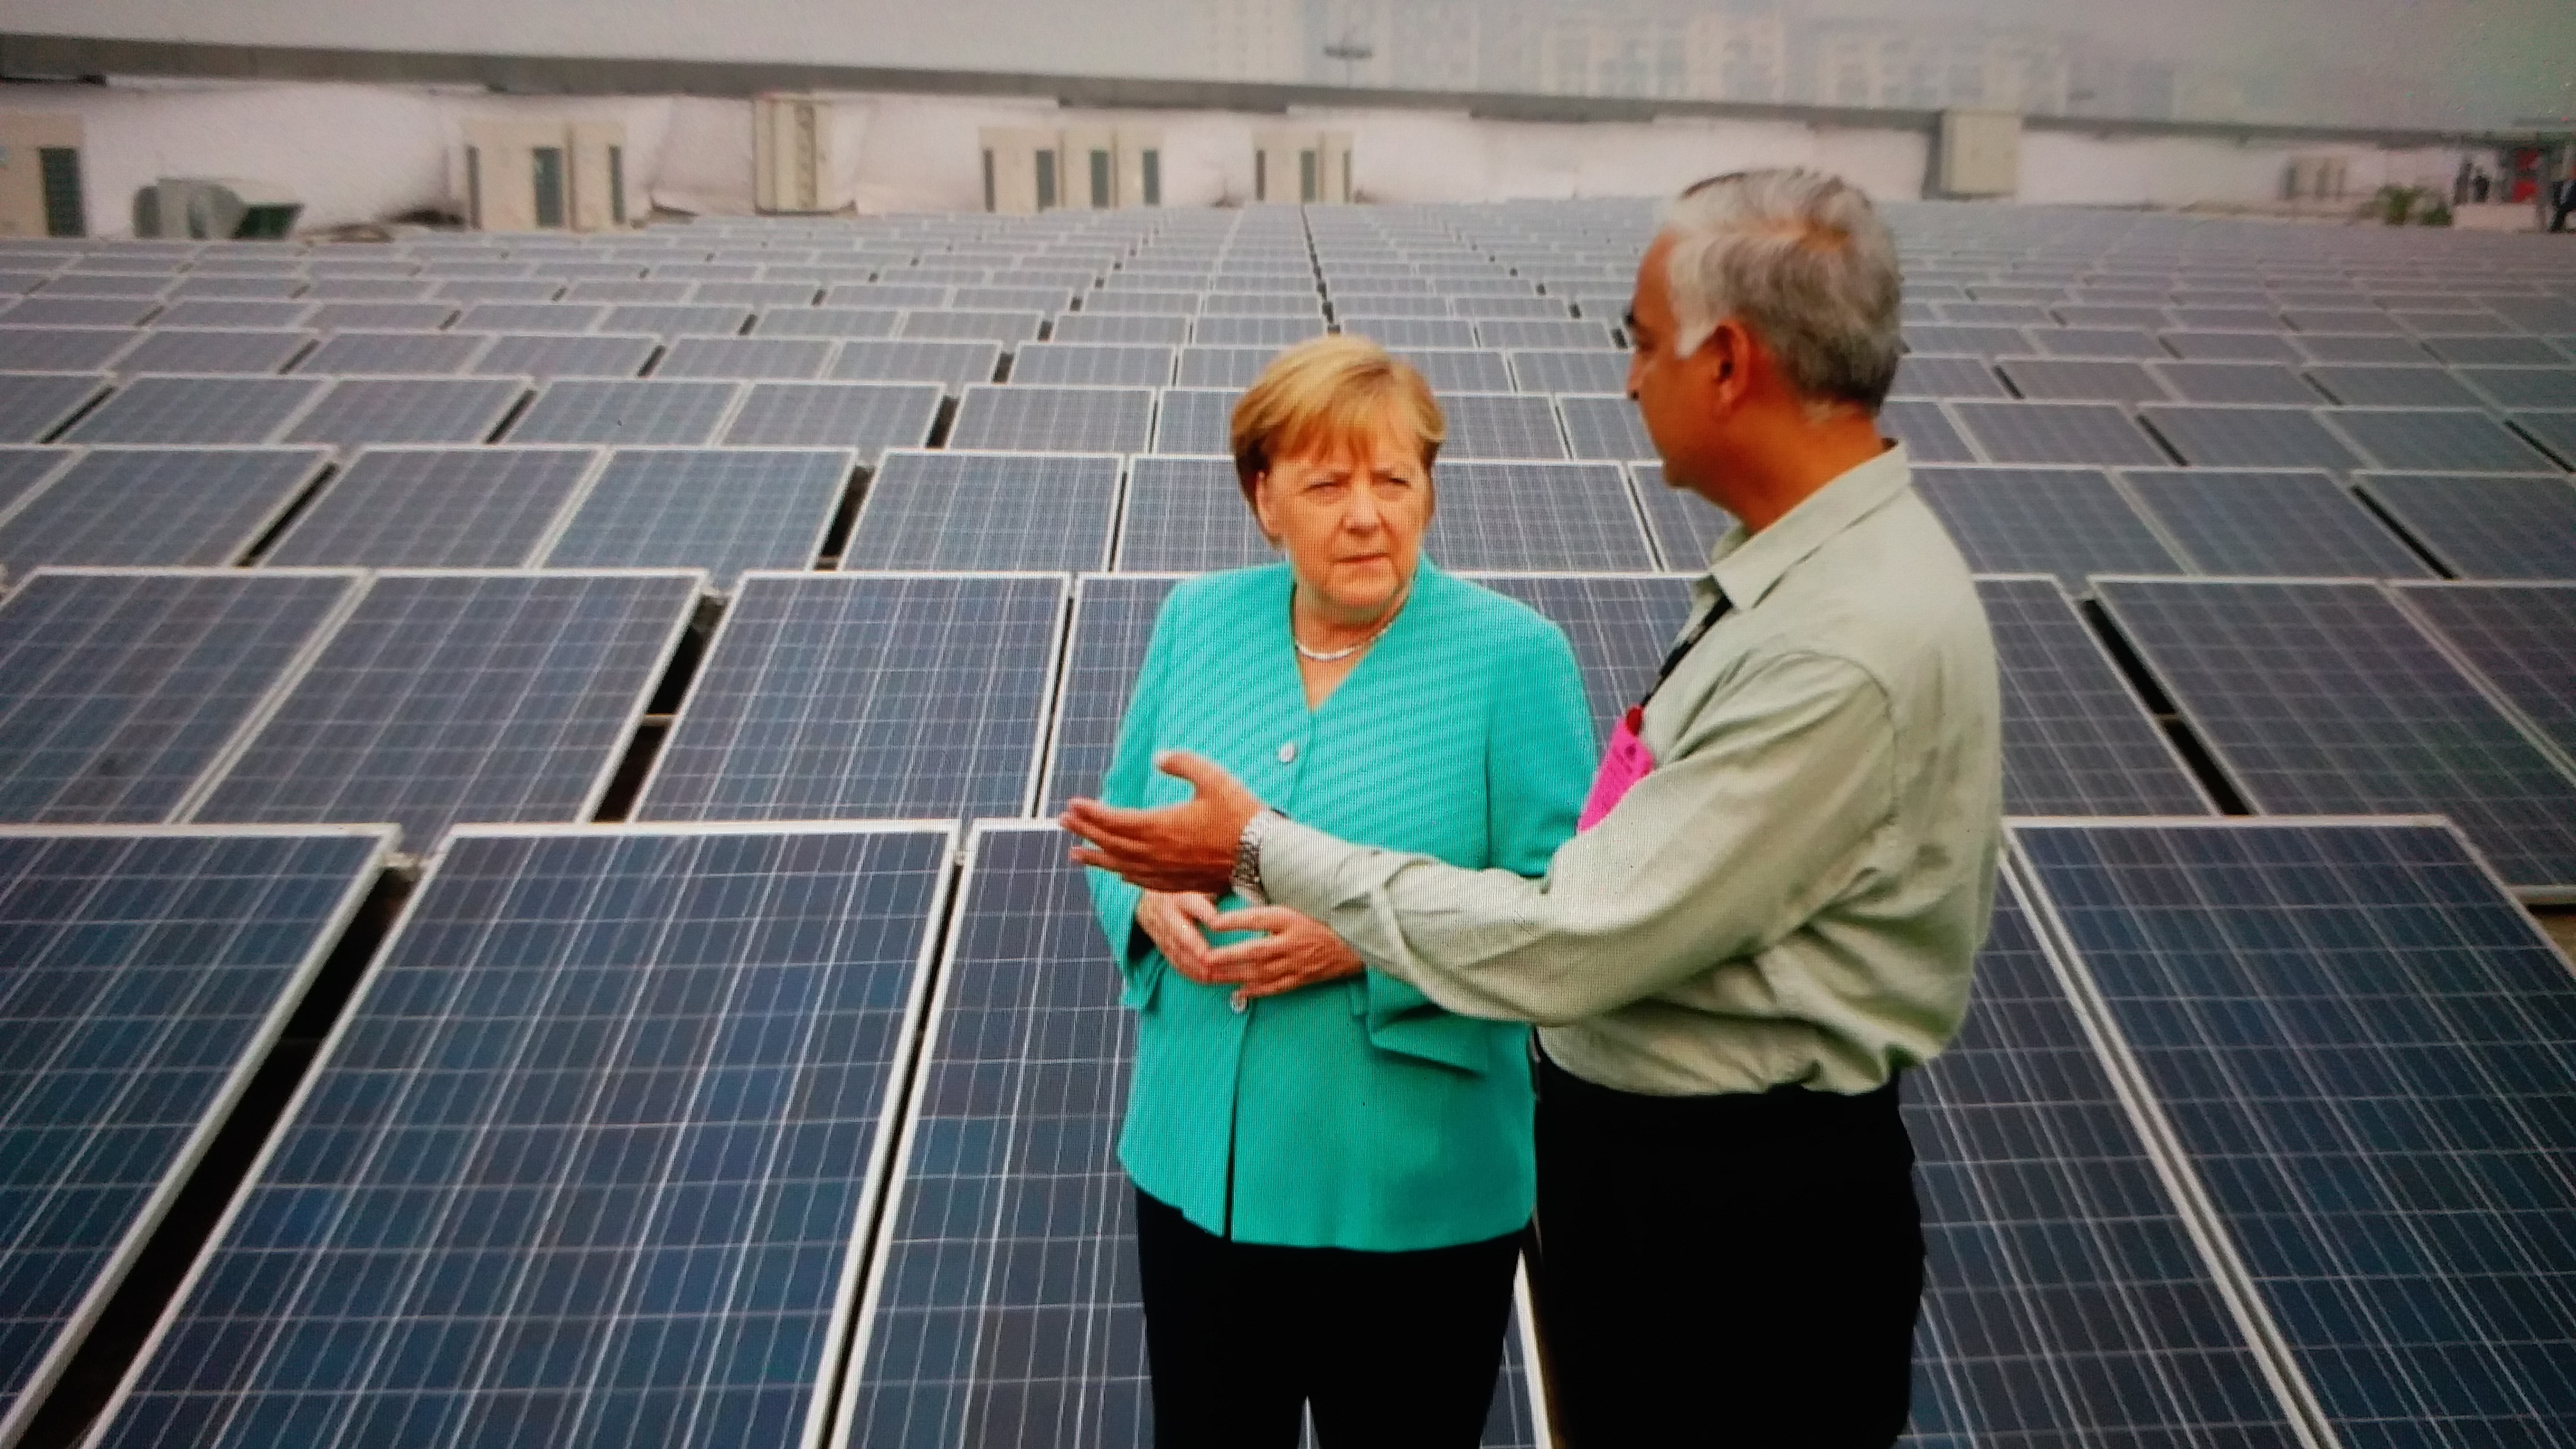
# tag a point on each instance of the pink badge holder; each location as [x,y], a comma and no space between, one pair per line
[1622,765]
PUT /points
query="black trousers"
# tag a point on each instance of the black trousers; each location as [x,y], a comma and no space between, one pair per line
[1392,1349]
[1736,1271]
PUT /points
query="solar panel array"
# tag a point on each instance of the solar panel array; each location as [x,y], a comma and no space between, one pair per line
[362,503]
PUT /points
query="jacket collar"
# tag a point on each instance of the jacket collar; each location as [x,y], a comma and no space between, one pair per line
[1747,565]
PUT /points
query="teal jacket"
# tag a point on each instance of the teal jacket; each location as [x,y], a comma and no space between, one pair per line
[1358,1114]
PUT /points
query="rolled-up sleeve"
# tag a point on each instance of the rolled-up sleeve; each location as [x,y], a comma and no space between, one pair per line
[1767,810]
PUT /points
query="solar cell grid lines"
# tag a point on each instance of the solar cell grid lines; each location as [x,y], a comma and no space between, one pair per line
[1459,369]
[2352,347]
[416,354]
[2324,698]
[2076,740]
[668,320]
[1171,330]
[2070,522]
[1089,364]
[1006,328]
[598,1178]
[1026,417]
[1966,341]
[1269,332]
[2231,346]
[157,506]
[118,688]
[1933,374]
[1000,512]
[2501,351]
[2278,523]
[829,696]
[1619,624]
[724,510]
[1523,332]
[2235,382]
[532,317]
[2392,385]
[61,349]
[1503,425]
[2100,342]
[2520,638]
[1508,517]
[361,410]
[80,311]
[1186,514]
[451,696]
[1113,622]
[868,417]
[1685,527]
[1570,369]
[826,322]
[2433,440]
[2212,436]
[149,971]
[2098,379]
[35,405]
[1924,426]
[2514,388]
[953,365]
[2484,526]
[200,410]
[1399,331]
[787,358]
[622,412]
[2057,432]
[545,358]
[450,507]
[2360,1045]
[381,316]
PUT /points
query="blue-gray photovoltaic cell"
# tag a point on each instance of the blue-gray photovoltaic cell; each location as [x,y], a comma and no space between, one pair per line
[166,506]
[1113,622]
[2064,521]
[545,357]
[2521,637]
[451,697]
[1619,624]
[1030,418]
[2325,699]
[1187,515]
[2250,437]
[1092,364]
[953,365]
[620,412]
[2514,388]
[725,510]
[2076,740]
[2457,440]
[1926,431]
[1520,517]
[597,1177]
[867,417]
[831,696]
[1570,369]
[1503,425]
[826,322]
[1267,332]
[2484,526]
[2235,382]
[1930,374]
[787,358]
[414,354]
[1605,427]
[149,971]
[86,349]
[2284,524]
[1004,327]
[209,350]
[1232,368]
[1124,328]
[1685,526]
[2364,1051]
[203,410]
[24,469]
[2553,429]
[996,512]
[2082,379]
[118,689]
[1459,369]
[2383,385]
[436,508]
[1195,420]
[2066,1302]
[2091,433]
[1003,1309]
[361,410]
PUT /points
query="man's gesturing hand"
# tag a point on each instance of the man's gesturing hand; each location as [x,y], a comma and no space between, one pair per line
[1184,847]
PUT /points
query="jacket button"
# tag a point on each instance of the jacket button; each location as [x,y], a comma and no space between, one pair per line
[1288,753]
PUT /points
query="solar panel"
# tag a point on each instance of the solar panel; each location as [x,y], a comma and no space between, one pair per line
[831,696]
[1168,330]
[620,412]
[2279,523]
[780,296]
[629,289]
[2514,388]
[1685,526]
[2484,526]
[1002,1309]
[1089,364]
[1187,515]
[1196,420]
[2057,432]
[826,322]
[457,696]
[1529,332]
[1966,341]
[1227,299]
[791,358]
[1460,369]
[2359,348]
[2435,440]
[2076,739]
[35,405]
[437,508]
[1409,331]
[2231,347]
[2520,638]
[1619,624]
[1519,517]
[1925,429]
[24,469]
[417,354]
[198,410]
[998,512]
[1994,314]
[2497,351]
[1506,425]
[361,410]
[866,417]
[2250,437]
[2360,1047]
[2081,379]
[600,1175]
[2070,522]
[882,295]
[953,365]
[61,349]
[2323,699]
[80,311]
[381,316]
[544,317]
[1570,369]
[1028,418]
[1005,328]
[2234,382]
[157,506]
[149,973]
[1113,622]
[1117,298]
[1269,332]
[669,320]
[118,688]
[1929,374]
[548,357]
[724,510]
[2381,384]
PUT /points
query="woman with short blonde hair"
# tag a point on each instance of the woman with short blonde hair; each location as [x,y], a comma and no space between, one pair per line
[1332,1180]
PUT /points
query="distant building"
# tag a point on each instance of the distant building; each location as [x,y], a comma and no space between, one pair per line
[1908,66]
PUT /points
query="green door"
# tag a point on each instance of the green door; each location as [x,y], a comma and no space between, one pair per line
[1153,178]
[550,186]
[1306,176]
[60,169]
[1100,180]
[1046,180]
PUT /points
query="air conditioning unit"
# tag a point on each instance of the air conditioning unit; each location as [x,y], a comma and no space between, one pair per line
[1980,154]
[791,156]
[545,175]
[40,175]
[217,209]
[1023,170]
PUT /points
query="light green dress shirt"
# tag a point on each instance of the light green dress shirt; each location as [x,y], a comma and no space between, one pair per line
[1796,893]
[1352,1113]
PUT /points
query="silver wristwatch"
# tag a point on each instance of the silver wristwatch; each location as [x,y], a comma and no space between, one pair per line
[1247,856]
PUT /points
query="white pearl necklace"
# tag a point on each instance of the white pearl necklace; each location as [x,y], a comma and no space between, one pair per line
[1336,656]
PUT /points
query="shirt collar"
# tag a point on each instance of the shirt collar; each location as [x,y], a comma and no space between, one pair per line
[1747,565]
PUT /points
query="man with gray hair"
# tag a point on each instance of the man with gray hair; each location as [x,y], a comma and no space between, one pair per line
[1782,878]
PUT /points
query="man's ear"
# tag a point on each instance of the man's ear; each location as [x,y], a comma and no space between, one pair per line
[1728,363]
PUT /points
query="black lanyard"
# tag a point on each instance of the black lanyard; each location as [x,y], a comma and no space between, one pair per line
[1682,650]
